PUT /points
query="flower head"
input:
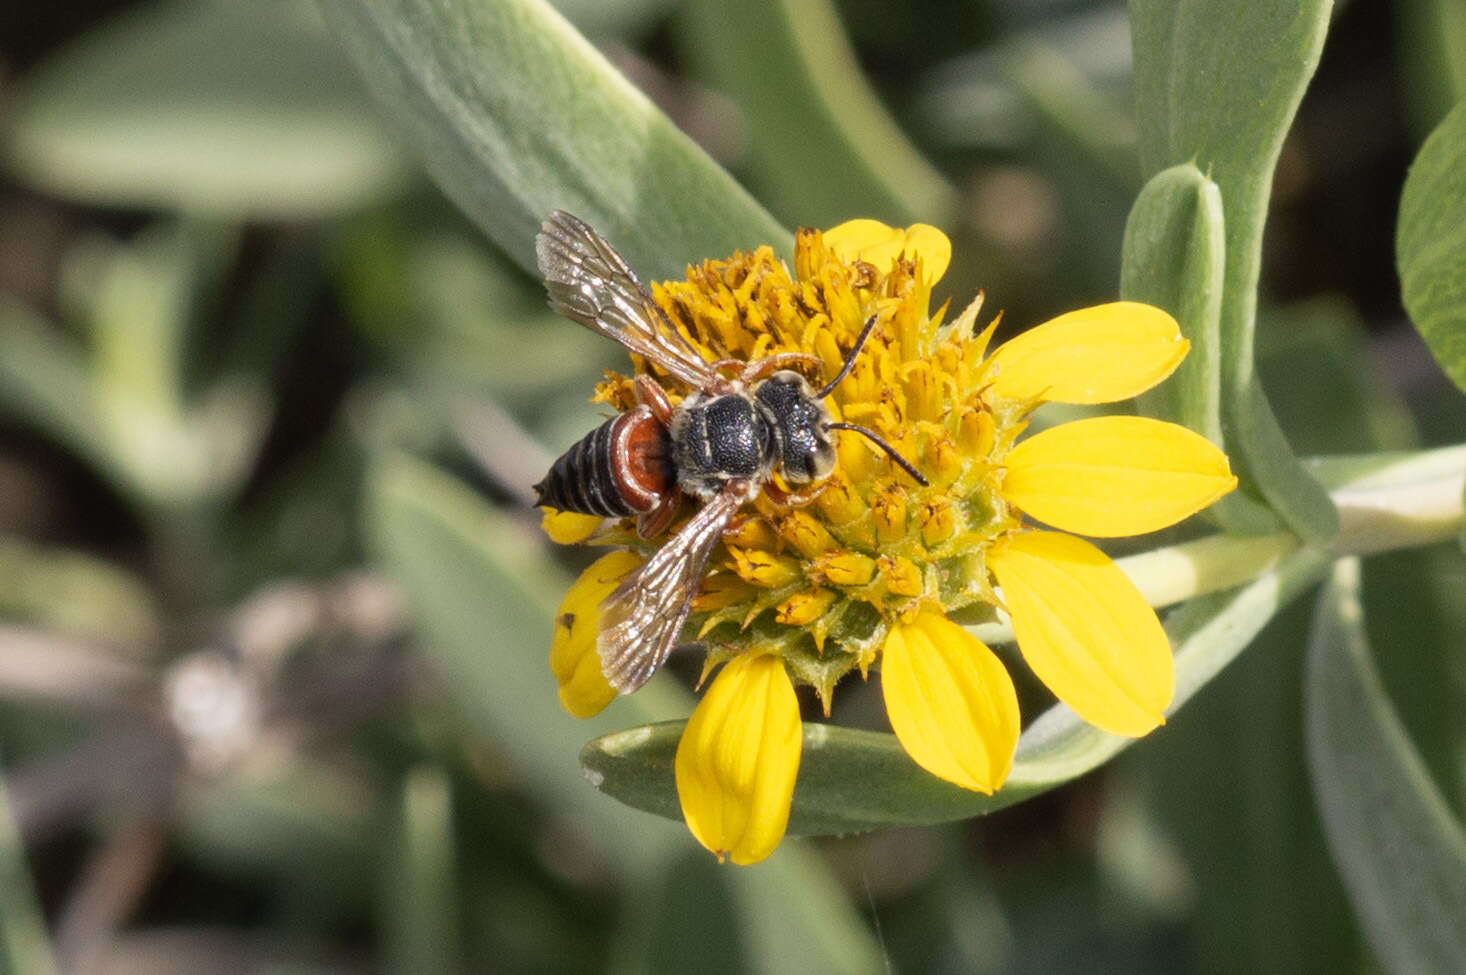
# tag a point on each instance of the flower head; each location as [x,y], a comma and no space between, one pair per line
[872,572]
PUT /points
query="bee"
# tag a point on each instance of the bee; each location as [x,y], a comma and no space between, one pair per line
[741,424]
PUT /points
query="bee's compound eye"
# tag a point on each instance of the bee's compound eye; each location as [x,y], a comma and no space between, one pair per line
[822,458]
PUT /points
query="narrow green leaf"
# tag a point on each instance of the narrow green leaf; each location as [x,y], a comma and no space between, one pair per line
[1412,602]
[420,899]
[24,944]
[627,20]
[229,109]
[1224,789]
[1175,258]
[821,146]
[1430,244]
[64,591]
[120,401]
[1430,46]
[1217,85]
[851,780]
[1400,852]
[810,926]
[515,114]
[43,380]
[687,927]
[484,594]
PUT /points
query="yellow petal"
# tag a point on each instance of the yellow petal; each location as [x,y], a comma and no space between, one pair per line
[1086,631]
[568,527]
[1115,475]
[574,659]
[950,701]
[738,759]
[1094,355]
[875,243]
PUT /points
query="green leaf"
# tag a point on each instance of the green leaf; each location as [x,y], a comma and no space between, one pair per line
[1316,355]
[689,930]
[420,895]
[120,401]
[1412,603]
[1400,852]
[484,592]
[1224,787]
[1217,85]
[852,780]
[44,381]
[628,20]
[1175,258]
[24,945]
[1430,244]
[228,109]
[515,114]
[822,147]
[67,592]
[1430,46]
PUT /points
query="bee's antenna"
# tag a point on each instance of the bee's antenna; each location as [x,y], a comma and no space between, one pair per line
[875,438]
[870,324]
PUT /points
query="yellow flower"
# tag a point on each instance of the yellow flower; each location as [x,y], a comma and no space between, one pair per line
[871,571]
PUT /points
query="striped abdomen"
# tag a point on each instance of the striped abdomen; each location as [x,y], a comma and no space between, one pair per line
[621,468]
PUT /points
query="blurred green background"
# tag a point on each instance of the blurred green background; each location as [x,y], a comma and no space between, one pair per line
[274,613]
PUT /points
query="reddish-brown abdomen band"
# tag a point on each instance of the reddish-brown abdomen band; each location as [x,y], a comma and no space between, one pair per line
[641,459]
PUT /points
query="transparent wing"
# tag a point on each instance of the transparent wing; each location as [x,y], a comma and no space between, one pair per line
[591,284]
[641,619]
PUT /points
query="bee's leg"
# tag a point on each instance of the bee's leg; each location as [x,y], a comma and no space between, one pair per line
[650,524]
[650,393]
[759,368]
[794,499]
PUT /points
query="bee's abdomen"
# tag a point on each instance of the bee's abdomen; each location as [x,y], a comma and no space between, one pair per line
[621,468]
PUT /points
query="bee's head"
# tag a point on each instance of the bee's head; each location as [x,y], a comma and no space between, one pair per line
[804,447]
[803,430]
